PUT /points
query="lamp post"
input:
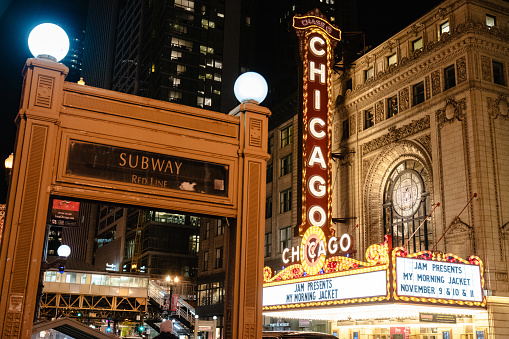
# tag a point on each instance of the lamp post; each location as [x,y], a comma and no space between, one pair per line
[63,252]
[8,167]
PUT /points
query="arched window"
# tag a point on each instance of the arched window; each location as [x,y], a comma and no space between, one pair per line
[406,204]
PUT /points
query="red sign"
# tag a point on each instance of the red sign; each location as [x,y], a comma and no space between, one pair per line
[65,212]
[400,332]
[317,40]
[174,302]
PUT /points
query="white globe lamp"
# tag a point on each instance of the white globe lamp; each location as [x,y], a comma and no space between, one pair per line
[63,251]
[48,41]
[250,86]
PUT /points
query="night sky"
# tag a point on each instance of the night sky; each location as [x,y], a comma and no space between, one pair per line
[378,19]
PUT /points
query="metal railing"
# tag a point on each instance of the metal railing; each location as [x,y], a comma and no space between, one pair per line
[184,309]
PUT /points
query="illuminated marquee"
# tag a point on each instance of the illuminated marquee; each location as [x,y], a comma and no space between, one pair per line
[317,41]
[438,278]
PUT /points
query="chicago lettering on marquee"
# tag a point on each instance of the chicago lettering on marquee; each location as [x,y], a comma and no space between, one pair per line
[317,41]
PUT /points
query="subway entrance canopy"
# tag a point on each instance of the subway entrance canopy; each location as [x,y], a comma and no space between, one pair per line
[87,143]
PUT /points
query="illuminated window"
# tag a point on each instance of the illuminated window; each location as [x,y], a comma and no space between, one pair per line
[406,205]
[221,15]
[444,28]
[206,50]
[199,102]
[418,93]
[285,198]
[208,102]
[498,73]
[286,165]
[285,238]
[174,96]
[217,77]
[186,4]
[207,24]
[286,136]
[449,77]
[268,244]
[218,64]
[491,21]
[392,106]
[368,74]
[176,82]
[392,60]
[417,44]
[176,55]
[219,257]
[268,207]
[153,68]
[181,43]
[248,21]
[369,118]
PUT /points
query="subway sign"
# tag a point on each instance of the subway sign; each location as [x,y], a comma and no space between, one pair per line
[317,39]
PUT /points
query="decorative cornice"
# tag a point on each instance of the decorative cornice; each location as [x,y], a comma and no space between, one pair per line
[396,134]
[455,34]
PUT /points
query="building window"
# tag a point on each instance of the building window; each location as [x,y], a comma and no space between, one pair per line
[449,77]
[270,144]
[444,28]
[368,74]
[285,199]
[286,165]
[285,238]
[219,257]
[392,60]
[286,135]
[207,230]
[417,44]
[205,260]
[268,207]
[270,170]
[406,204]
[220,227]
[346,129]
[392,106]
[418,93]
[268,244]
[498,73]
[491,21]
[369,119]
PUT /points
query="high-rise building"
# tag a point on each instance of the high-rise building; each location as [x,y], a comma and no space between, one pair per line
[183,51]
[100,39]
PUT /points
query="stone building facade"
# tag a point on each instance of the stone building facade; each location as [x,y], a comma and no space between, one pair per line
[421,131]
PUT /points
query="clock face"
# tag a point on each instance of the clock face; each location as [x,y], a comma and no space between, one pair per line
[406,194]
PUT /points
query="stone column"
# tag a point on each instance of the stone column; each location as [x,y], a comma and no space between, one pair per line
[244,282]
[27,204]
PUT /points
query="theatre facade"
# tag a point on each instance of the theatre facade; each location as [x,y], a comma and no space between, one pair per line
[414,240]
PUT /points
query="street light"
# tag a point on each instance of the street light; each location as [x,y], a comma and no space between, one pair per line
[250,86]
[48,41]
[63,252]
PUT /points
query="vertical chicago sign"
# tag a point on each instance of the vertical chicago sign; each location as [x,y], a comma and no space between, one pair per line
[317,39]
